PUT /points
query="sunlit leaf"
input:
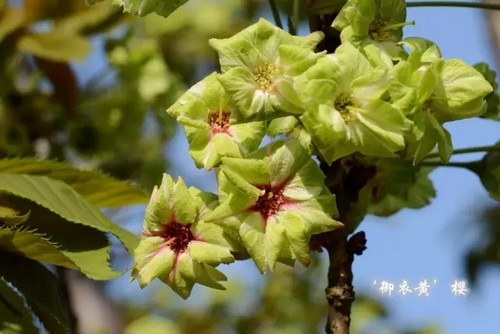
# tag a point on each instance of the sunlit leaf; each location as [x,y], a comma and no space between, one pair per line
[144,7]
[61,199]
[97,188]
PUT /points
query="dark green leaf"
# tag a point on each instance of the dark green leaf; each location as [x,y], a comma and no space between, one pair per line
[40,287]
[398,184]
[14,315]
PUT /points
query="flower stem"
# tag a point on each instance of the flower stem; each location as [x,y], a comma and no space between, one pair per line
[453,4]
[276,13]
[492,148]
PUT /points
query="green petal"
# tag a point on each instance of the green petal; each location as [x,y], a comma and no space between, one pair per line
[248,135]
[204,252]
[461,84]
[179,284]
[185,208]
[254,171]
[295,231]
[286,162]
[307,183]
[193,271]
[274,240]
[314,219]
[159,208]
[252,232]
[260,40]
[152,259]
[282,125]
[191,94]
[211,233]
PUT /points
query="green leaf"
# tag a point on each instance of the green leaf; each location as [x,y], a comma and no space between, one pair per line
[15,317]
[45,236]
[33,245]
[61,199]
[10,216]
[97,188]
[41,289]
[56,46]
[489,172]
[398,184]
[144,7]
[11,19]
[492,99]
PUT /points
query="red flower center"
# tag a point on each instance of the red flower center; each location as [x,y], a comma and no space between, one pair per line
[219,122]
[177,236]
[270,202]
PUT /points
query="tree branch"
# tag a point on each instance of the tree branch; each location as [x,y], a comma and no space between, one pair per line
[340,291]
[453,4]
[276,13]
[492,148]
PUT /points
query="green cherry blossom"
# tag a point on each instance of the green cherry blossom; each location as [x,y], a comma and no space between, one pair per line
[177,246]
[273,201]
[346,112]
[213,126]
[431,91]
[259,65]
[374,22]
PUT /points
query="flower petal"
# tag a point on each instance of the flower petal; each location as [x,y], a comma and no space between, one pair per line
[210,254]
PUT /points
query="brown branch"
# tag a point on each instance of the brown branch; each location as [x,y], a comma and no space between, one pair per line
[345,178]
[340,291]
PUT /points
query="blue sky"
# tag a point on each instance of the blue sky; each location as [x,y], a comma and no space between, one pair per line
[414,244]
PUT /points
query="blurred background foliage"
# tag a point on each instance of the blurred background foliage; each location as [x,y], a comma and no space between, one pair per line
[109,114]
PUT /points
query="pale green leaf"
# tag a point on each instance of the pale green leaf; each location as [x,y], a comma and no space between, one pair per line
[144,7]
[55,46]
[97,188]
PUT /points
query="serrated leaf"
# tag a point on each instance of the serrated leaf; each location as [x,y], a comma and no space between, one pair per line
[61,199]
[15,317]
[97,188]
[11,217]
[55,46]
[45,236]
[33,245]
[41,289]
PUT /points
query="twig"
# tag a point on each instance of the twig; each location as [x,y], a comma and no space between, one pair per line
[453,4]
[276,13]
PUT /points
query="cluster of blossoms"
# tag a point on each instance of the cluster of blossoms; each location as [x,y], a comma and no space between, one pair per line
[377,95]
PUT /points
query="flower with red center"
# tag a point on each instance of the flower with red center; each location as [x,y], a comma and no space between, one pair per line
[213,127]
[273,201]
[177,246]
